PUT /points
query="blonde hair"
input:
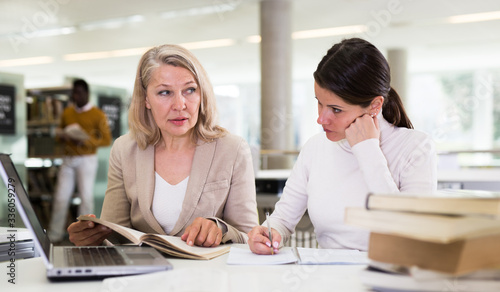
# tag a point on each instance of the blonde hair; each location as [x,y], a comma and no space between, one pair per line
[140,119]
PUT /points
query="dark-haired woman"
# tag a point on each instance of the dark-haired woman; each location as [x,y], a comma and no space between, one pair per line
[368,145]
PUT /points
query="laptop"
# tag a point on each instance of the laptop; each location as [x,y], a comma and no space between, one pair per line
[73,262]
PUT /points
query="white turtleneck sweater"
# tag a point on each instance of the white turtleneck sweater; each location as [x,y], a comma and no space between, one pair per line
[330,176]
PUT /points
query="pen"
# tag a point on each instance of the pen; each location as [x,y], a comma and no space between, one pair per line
[270,233]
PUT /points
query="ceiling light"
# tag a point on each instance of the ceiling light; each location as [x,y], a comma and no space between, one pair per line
[317,33]
[254,39]
[140,51]
[477,17]
[41,33]
[129,52]
[209,44]
[212,9]
[105,54]
[326,32]
[55,31]
[26,61]
[110,23]
[87,56]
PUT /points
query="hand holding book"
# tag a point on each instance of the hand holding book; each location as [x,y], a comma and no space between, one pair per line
[88,233]
[75,132]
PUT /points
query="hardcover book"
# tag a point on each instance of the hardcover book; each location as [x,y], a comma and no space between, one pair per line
[453,202]
[455,258]
[383,281]
[428,227]
[171,245]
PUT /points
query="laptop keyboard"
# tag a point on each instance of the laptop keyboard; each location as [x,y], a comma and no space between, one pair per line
[93,256]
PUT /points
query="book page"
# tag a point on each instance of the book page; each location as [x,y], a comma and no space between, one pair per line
[176,243]
[318,256]
[129,233]
[244,256]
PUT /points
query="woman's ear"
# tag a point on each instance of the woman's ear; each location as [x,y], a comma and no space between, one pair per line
[148,106]
[376,105]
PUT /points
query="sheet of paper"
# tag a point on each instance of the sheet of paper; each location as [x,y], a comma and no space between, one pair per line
[243,256]
[318,256]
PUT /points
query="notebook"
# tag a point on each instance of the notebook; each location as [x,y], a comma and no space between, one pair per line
[72,262]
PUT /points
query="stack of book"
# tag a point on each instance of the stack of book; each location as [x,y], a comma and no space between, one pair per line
[16,243]
[432,242]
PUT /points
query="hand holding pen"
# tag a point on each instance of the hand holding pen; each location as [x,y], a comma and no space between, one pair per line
[269,230]
[264,240]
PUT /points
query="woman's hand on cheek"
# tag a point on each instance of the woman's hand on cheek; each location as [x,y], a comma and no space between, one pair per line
[363,128]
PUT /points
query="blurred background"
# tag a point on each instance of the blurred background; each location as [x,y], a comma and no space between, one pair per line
[447,59]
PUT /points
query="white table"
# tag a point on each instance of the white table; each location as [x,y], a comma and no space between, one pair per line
[211,275]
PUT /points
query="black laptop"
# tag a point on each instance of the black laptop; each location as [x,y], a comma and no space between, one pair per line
[72,262]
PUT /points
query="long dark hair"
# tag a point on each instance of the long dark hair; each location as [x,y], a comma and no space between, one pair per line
[356,71]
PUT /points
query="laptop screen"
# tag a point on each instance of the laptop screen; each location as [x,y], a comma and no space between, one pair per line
[23,205]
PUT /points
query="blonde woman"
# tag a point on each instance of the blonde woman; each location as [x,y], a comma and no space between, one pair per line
[177,172]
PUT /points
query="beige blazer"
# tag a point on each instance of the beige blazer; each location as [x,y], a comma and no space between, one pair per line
[221,186]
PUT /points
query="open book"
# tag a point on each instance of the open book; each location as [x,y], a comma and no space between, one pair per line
[171,245]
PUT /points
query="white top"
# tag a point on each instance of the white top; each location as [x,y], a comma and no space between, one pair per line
[167,202]
[330,176]
[84,108]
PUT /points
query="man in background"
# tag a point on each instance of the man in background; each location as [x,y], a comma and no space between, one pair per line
[84,128]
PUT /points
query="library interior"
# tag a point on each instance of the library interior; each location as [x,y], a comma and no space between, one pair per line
[260,57]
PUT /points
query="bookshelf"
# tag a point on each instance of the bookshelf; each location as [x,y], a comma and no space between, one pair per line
[43,112]
[14,144]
